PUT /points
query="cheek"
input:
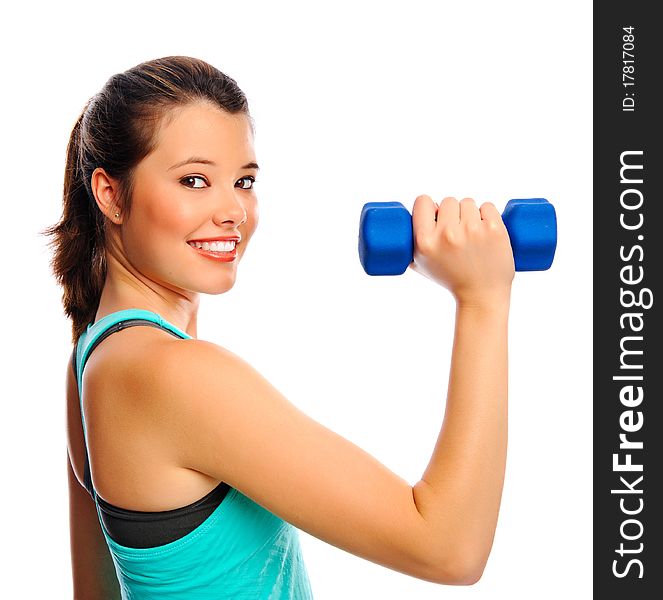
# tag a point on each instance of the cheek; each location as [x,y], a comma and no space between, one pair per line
[155,224]
[166,219]
[170,223]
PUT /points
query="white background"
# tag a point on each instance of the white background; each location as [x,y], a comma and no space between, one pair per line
[353,102]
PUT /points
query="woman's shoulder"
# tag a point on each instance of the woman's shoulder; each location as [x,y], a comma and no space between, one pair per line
[133,357]
[124,399]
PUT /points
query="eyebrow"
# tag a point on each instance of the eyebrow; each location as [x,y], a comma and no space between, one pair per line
[205,161]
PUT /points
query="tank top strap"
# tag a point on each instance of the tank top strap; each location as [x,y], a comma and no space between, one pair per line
[92,336]
[87,478]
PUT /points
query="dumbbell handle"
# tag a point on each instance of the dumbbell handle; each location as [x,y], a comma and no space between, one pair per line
[386,242]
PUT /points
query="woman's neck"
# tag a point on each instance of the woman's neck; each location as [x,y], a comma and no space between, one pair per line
[181,311]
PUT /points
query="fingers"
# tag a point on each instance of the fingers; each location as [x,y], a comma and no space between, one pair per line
[491,216]
[466,211]
[454,213]
[469,212]
[424,214]
[449,211]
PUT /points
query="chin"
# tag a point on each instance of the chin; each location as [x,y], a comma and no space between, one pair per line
[219,288]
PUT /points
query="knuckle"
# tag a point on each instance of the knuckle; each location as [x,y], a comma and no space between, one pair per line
[473,228]
[495,226]
[452,236]
[423,247]
[423,244]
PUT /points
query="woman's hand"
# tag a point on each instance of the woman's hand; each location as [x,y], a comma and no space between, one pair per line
[463,248]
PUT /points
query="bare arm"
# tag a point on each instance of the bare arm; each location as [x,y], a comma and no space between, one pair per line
[467,250]
[218,415]
[92,567]
[460,491]
[93,572]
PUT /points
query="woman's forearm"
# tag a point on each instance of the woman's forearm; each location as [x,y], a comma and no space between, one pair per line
[459,494]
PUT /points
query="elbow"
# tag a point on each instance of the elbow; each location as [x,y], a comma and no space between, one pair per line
[469,576]
[460,577]
[466,577]
[458,572]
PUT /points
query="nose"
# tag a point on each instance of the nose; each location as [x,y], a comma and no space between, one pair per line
[229,206]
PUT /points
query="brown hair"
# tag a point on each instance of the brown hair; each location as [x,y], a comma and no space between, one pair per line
[117,129]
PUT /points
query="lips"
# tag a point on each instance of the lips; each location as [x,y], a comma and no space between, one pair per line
[218,239]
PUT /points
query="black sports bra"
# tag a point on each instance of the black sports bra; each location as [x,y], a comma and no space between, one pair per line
[139,529]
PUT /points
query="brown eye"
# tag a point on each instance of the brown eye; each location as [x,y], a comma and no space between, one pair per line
[190,177]
[251,179]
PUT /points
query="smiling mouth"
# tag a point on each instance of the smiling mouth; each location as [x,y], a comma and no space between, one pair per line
[221,256]
[215,246]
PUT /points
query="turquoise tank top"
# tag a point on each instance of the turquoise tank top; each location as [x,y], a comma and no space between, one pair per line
[241,551]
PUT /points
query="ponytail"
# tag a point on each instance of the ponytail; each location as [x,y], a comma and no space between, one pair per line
[78,261]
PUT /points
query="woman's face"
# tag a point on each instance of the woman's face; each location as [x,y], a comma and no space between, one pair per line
[173,205]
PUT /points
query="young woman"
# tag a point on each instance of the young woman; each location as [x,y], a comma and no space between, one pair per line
[199,472]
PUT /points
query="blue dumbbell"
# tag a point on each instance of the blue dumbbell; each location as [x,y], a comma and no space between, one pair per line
[386,243]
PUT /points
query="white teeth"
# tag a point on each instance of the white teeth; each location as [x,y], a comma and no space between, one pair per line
[215,246]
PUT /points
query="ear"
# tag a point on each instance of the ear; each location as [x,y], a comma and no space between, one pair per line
[105,190]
